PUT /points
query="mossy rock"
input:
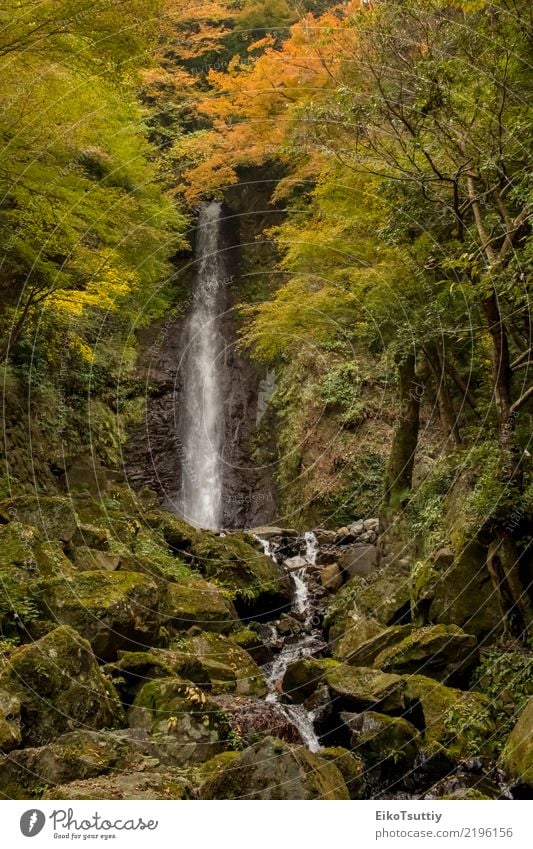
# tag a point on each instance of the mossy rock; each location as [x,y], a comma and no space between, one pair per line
[180,709]
[458,590]
[17,550]
[10,730]
[52,561]
[457,720]
[195,601]
[383,597]
[250,640]
[90,559]
[517,756]
[347,635]
[128,785]
[257,586]
[443,652]
[366,653]
[54,516]
[361,689]
[388,745]
[351,768]
[111,610]
[60,687]
[272,769]
[229,668]
[303,677]
[74,756]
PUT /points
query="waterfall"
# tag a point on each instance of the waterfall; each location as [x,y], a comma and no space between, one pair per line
[202,414]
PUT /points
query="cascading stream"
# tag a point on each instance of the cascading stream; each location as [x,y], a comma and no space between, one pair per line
[308,641]
[202,419]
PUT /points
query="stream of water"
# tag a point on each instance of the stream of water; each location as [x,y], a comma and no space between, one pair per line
[202,419]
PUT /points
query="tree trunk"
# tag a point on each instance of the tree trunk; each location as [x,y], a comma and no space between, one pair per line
[448,417]
[404,442]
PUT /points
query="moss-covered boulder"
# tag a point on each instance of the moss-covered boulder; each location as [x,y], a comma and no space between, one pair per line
[352,631]
[366,653]
[74,756]
[195,601]
[351,768]
[60,687]
[458,590]
[517,755]
[272,769]
[228,668]
[456,720]
[91,559]
[361,689]
[258,587]
[303,677]
[443,652]
[128,785]
[54,516]
[17,549]
[364,603]
[111,610]
[180,709]
[10,732]
[388,745]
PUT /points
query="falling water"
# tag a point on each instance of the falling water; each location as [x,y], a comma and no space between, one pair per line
[202,420]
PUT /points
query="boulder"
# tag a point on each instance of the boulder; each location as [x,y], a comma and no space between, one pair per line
[364,689]
[227,667]
[17,550]
[517,755]
[90,559]
[128,785]
[272,769]
[351,768]
[365,653]
[359,559]
[180,709]
[443,652]
[303,677]
[111,610]
[250,640]
[60,687]
[255,718]
[458,590]
[258,587]
[356,630]
[384,596]
[331,577]
[195,601]
[295,564]
[454,720]
[54,516]
[388,745]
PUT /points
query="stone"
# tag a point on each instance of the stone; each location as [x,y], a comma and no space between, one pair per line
[87,475]
[359,559]
[60,687]
[443,652]
[294,564]
[361,689]
[10,732]
[357,629]
[90,559]
[54,516]
[197,602]
[452,719]
[458,590]
[331,577]
[517,756]
[351,768]
[366,653]
[255,718]
[388,745]
[134,785]
[178,708]
[273,769]
[371,525]
[112,610]
[227,667]
[303,677]
[17,549]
